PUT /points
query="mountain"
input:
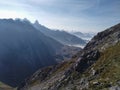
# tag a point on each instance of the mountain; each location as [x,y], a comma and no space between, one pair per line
[84,36]
[23,50]
[96,67]
[61,36]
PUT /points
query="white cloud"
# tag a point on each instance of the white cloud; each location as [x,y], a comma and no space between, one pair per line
[14,14]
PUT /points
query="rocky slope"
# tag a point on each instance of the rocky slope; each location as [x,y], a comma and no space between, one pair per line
[96,67]
[5,87]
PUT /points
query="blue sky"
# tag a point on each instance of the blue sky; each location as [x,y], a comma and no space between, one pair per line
[70,15]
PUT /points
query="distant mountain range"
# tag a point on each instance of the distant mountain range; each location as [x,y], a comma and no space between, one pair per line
[61,36]
[84,36]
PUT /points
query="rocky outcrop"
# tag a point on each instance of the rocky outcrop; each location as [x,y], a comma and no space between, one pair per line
[104,39]
[86,60]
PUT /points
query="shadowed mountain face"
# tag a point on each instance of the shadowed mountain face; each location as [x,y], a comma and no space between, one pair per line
[96,67]
[23,50]
[61,36]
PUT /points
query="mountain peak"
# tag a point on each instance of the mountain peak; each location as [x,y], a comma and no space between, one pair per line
[36,22]
[26,20]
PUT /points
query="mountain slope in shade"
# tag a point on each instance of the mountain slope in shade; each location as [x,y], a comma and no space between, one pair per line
[23,50]
[61,36]
[96,67]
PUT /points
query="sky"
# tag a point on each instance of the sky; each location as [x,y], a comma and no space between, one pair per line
[69,15]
